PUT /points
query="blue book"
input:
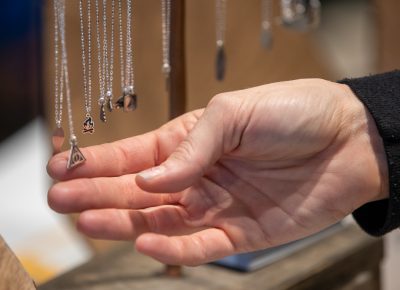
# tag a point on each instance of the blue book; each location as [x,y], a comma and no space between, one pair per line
[255,260]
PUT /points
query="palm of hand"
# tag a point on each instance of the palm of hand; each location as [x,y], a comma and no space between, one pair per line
[282,174]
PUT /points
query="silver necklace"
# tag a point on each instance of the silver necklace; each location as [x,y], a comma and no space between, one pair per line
[128,100]
[220,38]
[101,59]
[75,157]
[266,24]
[110,73]
[166,36]
[58,134]
[88,124]
[108,58]
[301,14]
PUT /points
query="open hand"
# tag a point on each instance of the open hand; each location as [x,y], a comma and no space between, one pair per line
[255,169]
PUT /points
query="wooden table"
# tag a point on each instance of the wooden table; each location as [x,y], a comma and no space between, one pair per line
[347,260]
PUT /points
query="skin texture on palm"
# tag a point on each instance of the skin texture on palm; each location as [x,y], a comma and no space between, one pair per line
[256,168]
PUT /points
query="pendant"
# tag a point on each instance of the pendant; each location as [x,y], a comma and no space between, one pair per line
[166,69]
[75,156]
[103,116]
[88,125]
[109,103]
[57,140]
[220,63]
[120,102]
[128,101]
[266,36]
[301,15]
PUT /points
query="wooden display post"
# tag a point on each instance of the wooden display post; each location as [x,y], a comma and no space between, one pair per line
[12,274]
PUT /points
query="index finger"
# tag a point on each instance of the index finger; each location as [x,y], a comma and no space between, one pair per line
[111,159]
[126,156]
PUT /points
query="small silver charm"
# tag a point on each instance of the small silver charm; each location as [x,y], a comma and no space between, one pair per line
[266,39]
[103,116]
[301,15]
[120,102]
[75,156]
[220,62]
[102,104]
[109,102]
[88,125]
[166,69]
[128,101]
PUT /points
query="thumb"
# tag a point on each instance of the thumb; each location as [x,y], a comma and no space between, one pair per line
[201,148]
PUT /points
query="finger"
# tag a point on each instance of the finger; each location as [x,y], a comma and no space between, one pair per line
[191,250]
[126,156]
[104,192]
[115,224]
[111,159]
[197,152]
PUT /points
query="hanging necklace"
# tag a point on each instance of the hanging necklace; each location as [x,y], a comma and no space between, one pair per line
[88,124]
[110,61]
[75,157]
[300,15]
[166,36]
[58,134]
[220,38]
[128,100]
[266,21]
[105,71]
[99,64]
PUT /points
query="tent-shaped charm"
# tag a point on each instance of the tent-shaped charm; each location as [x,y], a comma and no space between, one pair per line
[75,157]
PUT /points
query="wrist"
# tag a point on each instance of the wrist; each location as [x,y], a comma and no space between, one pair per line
[371,148]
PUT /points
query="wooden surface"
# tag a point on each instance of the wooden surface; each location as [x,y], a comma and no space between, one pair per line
[388,23]
[348,260]
[12,274]
[177,85]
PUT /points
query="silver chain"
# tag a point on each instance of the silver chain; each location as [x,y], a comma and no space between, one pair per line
[266,14]
[58,71]
[64,56]
[111,74]
[86,63]
[99,52]
[220,22]
[166,35]
[121,44]
[130,77]
[106,72]
[266,24]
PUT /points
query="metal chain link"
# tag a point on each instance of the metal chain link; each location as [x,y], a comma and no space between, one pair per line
[86,68]
[121,44]
[58,102]
[166,35]
[99,54]
[61,14]
[220,22]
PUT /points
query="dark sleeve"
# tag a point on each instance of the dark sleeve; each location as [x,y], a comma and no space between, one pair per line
[381,95]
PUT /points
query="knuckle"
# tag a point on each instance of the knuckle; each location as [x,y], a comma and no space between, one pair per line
[220,100]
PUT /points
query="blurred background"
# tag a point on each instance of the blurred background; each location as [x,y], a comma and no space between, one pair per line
[355,38]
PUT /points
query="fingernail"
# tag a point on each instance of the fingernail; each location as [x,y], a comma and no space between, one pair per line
[152,172]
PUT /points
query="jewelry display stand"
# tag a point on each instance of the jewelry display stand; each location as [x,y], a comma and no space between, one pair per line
[181,85]
[177,79]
